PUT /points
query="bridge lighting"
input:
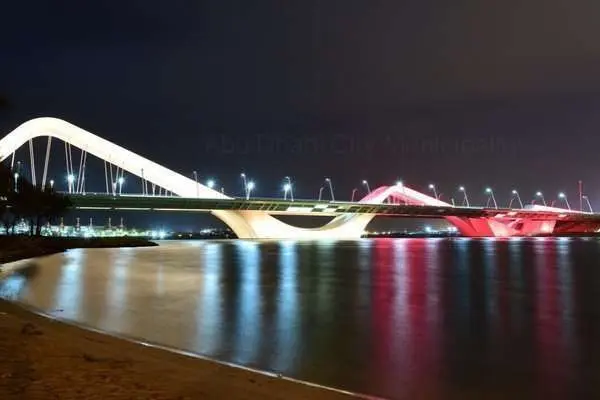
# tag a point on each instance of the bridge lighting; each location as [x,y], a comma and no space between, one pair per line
[492,197]
[563,196]
[353,193]
[121,182]
[465,198]
[286,188]
[70,180]
[432,188]
[210,183]
[364,182]
[16,180]
[290,189]
[328,181]
[243,176]
[51,183]
[249,189]
[321,192]
[540,195]
[398,183]
[515,194]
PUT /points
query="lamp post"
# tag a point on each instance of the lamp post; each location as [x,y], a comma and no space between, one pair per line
[492,197]
[321,192]
[563,196]
[515,194]
[588,202]
[291,187]
[249,188]
[286,189]
[70,180]
[197,187]
[465,198]
[432,188]
[243,176]
[16,181]
[364,182]
[353,193]
[51,184]
[541,195]
[328,181]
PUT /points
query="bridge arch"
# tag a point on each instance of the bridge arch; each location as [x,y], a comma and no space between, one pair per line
[245,224]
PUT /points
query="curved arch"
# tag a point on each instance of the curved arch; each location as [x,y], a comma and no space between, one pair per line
[101,148]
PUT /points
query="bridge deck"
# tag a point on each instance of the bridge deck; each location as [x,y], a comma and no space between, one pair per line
[306,207]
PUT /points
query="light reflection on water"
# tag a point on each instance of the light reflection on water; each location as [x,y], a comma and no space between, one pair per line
[396,318]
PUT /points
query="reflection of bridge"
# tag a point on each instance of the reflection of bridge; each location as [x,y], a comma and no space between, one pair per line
[254,218]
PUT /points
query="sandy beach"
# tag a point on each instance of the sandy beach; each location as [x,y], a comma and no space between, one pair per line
[44,358]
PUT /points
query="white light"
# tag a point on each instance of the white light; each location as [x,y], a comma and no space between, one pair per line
[70,178]
[287,187]
[514,192]
[210,183]
[431,186]
[462,188]
[539,194]
[399,183]
[561,195]
[488,190]
[427,229]
[16,175]
[121,180]
[250,185]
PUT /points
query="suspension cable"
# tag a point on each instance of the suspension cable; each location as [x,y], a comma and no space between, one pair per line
[45,175]
[106,176]
[32,157]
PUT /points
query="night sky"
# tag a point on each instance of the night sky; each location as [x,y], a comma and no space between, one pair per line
[465,92]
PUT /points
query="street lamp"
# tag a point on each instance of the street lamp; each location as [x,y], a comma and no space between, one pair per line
[70,180]
[121,182]
[563,196]
[197,186]
[291,187]
[51,183]
[249,188]
[364,182]
[465,198]
[432,188]
[210,183]
[16,180]
[353,193]
[243,176]
[588,203]
[492,197]
[286,188]
[515,194]
[328,181]
[321,192]
[540,195]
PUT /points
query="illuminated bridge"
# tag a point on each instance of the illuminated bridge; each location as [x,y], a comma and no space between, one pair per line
[254,218]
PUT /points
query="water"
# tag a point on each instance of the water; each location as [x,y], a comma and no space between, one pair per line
[398,318]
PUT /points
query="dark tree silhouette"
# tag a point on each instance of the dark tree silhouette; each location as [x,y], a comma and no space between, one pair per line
[23,200]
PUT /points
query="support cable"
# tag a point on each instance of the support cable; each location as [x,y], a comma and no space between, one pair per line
[106,176]
[45,175]
[32,157]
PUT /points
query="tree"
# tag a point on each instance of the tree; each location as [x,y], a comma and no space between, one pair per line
[38,205]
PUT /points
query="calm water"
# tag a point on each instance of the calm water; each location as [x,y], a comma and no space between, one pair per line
[398,318]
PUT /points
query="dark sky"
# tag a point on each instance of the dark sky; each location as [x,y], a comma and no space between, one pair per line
[456,92]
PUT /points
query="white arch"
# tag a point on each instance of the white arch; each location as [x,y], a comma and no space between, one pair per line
[105,150]
[246,224]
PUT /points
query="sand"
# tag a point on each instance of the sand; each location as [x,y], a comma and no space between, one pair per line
[43,358]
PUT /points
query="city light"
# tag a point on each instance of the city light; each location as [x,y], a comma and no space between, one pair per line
[210,183]
[432,188]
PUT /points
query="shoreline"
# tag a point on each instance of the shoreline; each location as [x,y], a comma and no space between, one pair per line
[47,357]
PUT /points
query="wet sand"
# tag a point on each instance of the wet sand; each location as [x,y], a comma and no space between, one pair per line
[42,358]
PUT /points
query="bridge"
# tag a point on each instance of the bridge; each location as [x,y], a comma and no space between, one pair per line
[255,218]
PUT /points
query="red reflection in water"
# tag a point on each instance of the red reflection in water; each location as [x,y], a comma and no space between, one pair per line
[551,381]
[406,345]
